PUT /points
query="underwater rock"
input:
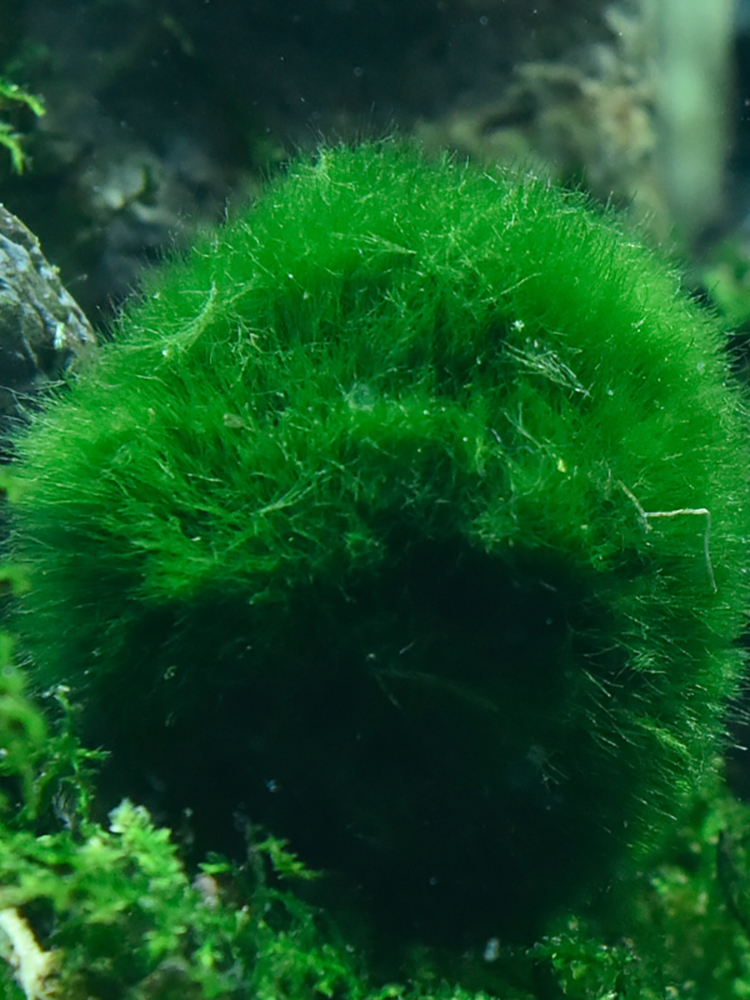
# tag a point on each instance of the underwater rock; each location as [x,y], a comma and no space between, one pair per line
[407,516]
[42,329]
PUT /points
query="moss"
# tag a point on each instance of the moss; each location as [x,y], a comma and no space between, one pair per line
[409,513]
[690,914]
[112,911]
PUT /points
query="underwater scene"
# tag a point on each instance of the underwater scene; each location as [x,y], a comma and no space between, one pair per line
[374,499]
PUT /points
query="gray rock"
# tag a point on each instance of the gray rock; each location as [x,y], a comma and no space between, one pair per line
[42,329]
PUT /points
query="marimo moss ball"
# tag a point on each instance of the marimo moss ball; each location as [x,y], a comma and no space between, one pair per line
[408,517]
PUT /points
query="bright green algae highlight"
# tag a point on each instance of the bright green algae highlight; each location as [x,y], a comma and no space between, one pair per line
[361,505]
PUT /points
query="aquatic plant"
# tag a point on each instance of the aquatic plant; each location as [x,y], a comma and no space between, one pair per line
[112,910]
[408,514]
[11,95]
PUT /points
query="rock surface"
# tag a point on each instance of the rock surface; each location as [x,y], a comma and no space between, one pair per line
[42,329]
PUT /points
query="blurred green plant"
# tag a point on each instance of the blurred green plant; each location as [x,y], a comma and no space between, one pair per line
[692,911]
[14,98]
[726,276]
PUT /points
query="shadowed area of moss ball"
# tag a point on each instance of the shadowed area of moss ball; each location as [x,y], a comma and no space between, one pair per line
[408,516]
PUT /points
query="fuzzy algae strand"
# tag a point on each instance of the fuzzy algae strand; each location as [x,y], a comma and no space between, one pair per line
[408,513]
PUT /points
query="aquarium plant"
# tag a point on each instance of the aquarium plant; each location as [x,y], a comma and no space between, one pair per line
[13,97]
[111,909]
[407,515]
[102,910]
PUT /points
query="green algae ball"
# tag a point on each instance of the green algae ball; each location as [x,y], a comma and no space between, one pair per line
[409,516]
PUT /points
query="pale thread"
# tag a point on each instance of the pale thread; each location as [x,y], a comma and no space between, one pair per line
[646,515]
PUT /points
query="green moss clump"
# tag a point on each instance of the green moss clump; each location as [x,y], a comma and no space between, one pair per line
[410,514]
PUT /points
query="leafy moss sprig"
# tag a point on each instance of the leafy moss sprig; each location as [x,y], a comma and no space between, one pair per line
[13,95]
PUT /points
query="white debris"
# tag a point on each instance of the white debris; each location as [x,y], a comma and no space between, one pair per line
[32,966]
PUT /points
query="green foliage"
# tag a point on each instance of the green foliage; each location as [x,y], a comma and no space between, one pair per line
[13,97]
[726,276]
[113,912]
[121,914]
[691,912]
[679,930]
[411,512]
[128,921]
[40,769]
[575,964]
